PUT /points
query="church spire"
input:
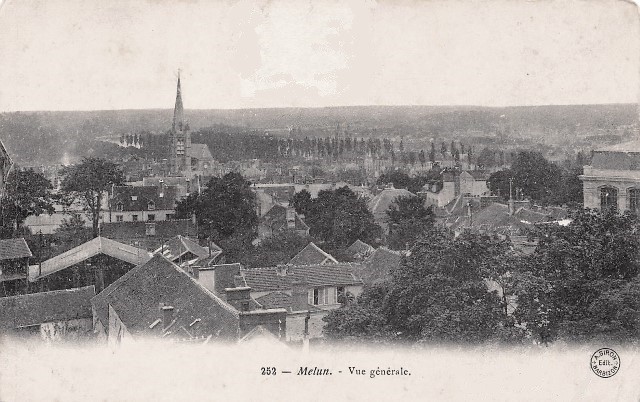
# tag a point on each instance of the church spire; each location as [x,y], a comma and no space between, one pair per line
[178,111]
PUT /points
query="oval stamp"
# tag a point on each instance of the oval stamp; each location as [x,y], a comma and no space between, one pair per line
[605,362]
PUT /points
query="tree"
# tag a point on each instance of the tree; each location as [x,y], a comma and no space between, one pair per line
[339,217]
[581,284]
[408,218]
[537,177]
[275,250]
[88,182]
[71,233]
[225,210]
[27,193]
[301,202]
[438,294]
[499,184]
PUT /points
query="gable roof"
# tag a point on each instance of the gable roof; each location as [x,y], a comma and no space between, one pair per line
[360,248]
[14,248]
[99,245]
[179,245]
[136,297]
[378,266]
[380,203]
[273,279]
[39,308]
[312,254]
[135,233]
[200,151]
[276,219]
[138,198]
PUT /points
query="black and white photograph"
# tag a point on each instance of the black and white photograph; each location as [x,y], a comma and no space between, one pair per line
[365,200]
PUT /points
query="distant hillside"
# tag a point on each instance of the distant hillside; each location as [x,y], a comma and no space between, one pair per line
[49,137]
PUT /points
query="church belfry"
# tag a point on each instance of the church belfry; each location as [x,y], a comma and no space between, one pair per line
[180,138]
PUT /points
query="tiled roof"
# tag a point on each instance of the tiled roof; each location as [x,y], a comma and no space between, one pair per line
[276,219]
[380,203]
[360,248]
[39,308]
[312,254]
[138,198]
[378,266]
[14,248]
[280,300]
[137,295]
[200,151]
[135,233]
[272,279]
[181,245]
[99,245]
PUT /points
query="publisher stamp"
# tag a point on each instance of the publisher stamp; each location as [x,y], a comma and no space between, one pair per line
[605,362]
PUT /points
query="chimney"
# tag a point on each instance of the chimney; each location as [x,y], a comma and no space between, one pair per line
[161,189]
[511,201]
[291,218]
[195,272]
[281,270]
[224,277]
[167,315]
[239,297]
[299,296]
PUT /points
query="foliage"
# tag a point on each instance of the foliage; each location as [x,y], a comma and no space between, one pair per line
[408,218]
[27,193]
[582,281]
[438,294]
[400,179]
[88,182]
[225,211]
[275,250]
[339,217]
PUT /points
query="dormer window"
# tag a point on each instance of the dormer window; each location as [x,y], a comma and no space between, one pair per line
[134,198]
[151,206]
[120,206]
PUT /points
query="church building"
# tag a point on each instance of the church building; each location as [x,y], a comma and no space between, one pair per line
[186,159]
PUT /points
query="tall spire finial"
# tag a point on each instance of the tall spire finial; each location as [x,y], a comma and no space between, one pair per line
[178,111]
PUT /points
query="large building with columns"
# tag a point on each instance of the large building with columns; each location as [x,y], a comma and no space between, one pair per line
[612,181]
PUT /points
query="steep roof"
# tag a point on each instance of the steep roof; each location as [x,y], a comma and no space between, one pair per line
[379,265]
[625,156]
[14,248]
[273,279]
[136,232]
[360,248]
[312,254]
[380,203]
[179,245]
[99,245]
[276,219]
[136,297]
[39,308]
[200,151]
[138,198]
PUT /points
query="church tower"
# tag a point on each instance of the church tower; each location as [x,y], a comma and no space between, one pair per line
[180,139]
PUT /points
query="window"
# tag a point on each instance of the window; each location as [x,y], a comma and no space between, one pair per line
[634,200]
[134,218]
[120,206]
[151,206]
[341,294]
[609,198]
[150,229]
[322,296]
[151,217]
[119,218]
[180,147]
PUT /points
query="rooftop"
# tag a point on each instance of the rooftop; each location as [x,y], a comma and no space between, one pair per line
[281,278]
[312,254]
[14,248]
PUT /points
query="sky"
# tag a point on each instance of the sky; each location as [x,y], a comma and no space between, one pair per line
[121,54]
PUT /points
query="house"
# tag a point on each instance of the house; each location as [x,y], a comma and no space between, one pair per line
[184,251]
[379,205]
[306,292]
[142,203]
[100,261]
[183,185]
[14,266]
[378,266]
[612,181]
[312,255]
[359,250]
[148,235]
[454,185]
[161,300]
[57,315]
[280,219]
